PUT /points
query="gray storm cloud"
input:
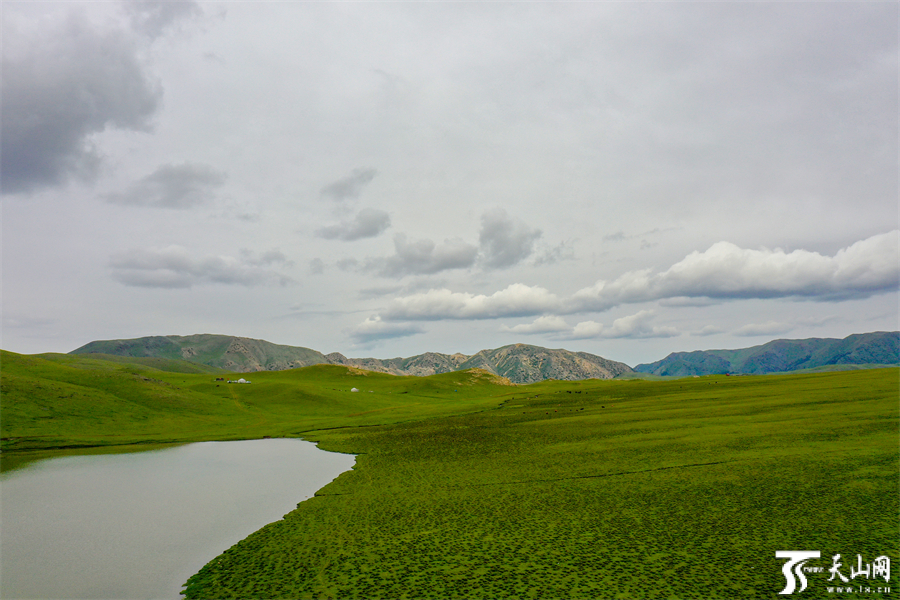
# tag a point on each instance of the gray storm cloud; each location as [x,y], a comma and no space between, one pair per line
[177,267]
[58,88]
[424,257]
[152,18]
[172,186]
[505,241]
[267,258]
[367,223]
[349,187]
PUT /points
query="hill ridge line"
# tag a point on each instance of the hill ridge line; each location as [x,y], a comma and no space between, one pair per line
[519,363]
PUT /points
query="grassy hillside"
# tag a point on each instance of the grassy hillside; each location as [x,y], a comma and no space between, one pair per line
[468,488]
[58,400]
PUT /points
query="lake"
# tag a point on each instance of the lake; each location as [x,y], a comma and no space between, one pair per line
[138,525]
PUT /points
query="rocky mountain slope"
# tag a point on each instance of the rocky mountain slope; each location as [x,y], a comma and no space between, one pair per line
[882,348]
[519,363]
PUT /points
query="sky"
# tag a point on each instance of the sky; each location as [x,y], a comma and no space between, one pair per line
[390,178]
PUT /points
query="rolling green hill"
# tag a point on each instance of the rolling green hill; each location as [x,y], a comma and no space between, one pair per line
[54,401]
[877,349]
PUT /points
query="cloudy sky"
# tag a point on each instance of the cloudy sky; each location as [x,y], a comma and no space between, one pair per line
[389,178]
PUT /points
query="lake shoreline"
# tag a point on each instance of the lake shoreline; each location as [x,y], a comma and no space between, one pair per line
[160,514]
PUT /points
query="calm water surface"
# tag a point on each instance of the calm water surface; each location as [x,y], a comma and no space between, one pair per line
[138,525]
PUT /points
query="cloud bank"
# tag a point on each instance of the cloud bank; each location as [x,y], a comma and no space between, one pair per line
[517,300]
[726,271]
[636,326]
[723,272]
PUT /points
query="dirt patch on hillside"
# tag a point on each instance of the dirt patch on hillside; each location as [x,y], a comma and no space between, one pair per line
[480,375]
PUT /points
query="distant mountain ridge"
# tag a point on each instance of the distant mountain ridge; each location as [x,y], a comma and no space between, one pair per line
[236,354]
[877,348]
[520,363]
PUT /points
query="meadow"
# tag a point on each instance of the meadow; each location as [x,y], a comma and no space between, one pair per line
[468,488]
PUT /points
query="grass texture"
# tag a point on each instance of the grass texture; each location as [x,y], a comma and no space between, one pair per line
[465,488]
[680,489]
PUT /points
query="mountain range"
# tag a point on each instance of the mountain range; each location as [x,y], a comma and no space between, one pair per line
[520,363]
[878,348]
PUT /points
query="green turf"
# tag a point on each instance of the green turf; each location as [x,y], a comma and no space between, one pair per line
[463,488]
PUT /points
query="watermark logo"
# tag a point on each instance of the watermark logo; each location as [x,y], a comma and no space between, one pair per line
[794,566]
[796,569]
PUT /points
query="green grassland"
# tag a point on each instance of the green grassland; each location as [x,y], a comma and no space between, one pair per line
[465,488]
[62,401]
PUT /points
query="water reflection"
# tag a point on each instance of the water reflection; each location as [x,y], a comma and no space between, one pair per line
[138,525]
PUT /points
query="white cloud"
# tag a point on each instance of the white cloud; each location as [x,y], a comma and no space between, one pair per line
[632,326]
[726,271]
[586,330]
[708,330]
[768,328]
[515,300]
[545,324]
[374,329]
